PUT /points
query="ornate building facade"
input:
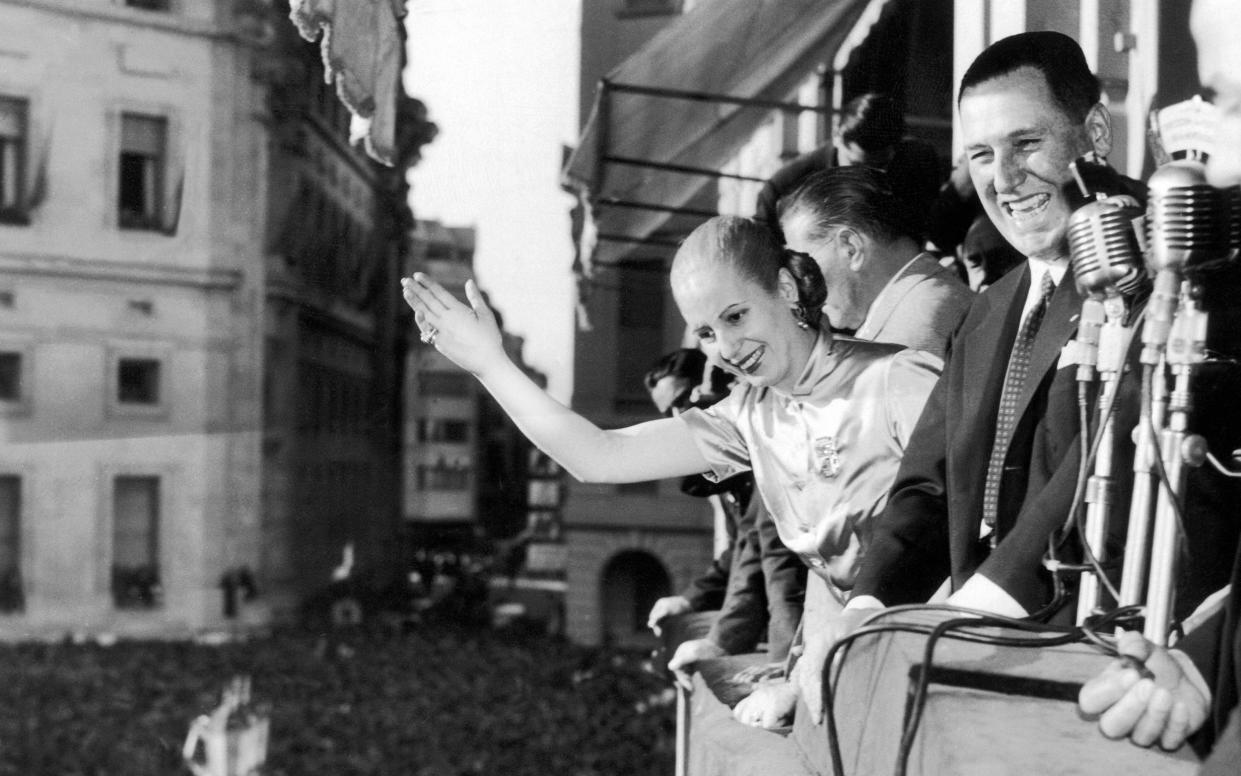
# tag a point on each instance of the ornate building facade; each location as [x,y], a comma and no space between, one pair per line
[198,318]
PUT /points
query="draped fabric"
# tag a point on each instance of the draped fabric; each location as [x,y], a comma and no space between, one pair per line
[362,53]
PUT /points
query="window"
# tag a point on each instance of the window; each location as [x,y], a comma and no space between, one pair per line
[454,431]
[148,5]
[442,476]
[444,384]
[137,381]
[648,8]
[543,493]
[11,597]
[443,430]
[140,189]
[135,542]
[12,159]
[10,376]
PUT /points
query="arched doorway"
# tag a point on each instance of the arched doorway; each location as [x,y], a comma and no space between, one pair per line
[630,584]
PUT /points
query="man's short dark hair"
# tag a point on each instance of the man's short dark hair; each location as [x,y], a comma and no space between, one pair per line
[685,363]
[873,121]
[857,197]
[690,365]
[1054,54]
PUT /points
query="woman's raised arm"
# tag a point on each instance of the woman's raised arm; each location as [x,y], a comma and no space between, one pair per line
[469,337]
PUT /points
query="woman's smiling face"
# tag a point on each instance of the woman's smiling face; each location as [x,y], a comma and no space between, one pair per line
[752,329]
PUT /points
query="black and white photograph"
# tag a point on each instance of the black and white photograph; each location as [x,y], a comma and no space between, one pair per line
[620,387]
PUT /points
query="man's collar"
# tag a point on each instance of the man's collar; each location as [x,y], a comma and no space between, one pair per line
[1057,267]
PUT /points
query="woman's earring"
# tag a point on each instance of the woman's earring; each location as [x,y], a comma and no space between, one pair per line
[799,315]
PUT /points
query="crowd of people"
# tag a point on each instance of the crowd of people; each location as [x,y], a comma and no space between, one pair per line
[906,438]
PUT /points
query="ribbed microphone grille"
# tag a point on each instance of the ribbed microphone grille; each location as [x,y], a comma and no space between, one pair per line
[1104,250]
[1188,224]
[1233,197]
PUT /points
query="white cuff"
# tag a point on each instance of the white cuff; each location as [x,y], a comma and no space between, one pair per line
[1191,673]
[980,593]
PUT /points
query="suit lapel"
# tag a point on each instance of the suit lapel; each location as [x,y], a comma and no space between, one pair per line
[986,347]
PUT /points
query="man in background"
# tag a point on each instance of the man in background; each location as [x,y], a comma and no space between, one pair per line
[757,585]
[881,285]
[871,133]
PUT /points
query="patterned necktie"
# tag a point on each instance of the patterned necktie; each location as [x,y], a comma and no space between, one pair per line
[1006,419]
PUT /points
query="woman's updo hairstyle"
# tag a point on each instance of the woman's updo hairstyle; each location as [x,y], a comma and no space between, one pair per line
[753,250]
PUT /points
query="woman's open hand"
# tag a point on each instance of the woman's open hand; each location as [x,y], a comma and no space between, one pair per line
[468,336]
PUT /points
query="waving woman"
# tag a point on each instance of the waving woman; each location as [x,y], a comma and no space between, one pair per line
[821,420]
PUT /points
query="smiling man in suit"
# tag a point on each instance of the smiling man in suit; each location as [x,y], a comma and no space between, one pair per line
[990,469]
[880,285]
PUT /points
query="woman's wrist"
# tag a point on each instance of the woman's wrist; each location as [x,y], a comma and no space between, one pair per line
[499,370]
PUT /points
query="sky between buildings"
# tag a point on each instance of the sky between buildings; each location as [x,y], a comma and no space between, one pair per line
[500,78]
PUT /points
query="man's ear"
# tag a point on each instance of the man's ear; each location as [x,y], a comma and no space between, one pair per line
[854,247]
[786,286]
[1099,129]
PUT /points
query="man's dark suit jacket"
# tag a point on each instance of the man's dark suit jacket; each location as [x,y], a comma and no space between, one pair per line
[757,584]
[1216,650]
[931,525]
[766,587]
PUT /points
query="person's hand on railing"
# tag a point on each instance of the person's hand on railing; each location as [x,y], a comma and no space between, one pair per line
[668,606]
[688,655]
[1149,695]
[468,336]
[771,705]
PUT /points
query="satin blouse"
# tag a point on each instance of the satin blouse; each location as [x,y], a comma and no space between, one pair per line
[824,455]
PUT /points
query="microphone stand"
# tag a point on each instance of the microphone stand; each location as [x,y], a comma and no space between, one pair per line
[1160,317]
[1100,489]
[1152,408]
[1186,349]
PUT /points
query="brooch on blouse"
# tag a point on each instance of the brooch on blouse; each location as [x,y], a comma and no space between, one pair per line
[826,457]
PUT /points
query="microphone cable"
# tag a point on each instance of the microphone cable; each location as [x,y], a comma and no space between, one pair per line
[956,629]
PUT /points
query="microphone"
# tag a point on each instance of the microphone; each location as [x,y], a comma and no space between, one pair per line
[1104,249]
[1188,218]
[1107,266]
[1188,226]
[1232,195]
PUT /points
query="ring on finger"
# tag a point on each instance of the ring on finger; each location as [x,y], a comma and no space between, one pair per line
[429,335]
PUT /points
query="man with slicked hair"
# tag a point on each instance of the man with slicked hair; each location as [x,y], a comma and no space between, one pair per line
[880,285]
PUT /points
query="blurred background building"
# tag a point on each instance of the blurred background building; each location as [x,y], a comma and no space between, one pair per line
[465,461]
[198,317]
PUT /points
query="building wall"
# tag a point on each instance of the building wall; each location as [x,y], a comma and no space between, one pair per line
[336,241]
[266,290]
[683,553]
[614,29]
[600,520]
[84,292]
